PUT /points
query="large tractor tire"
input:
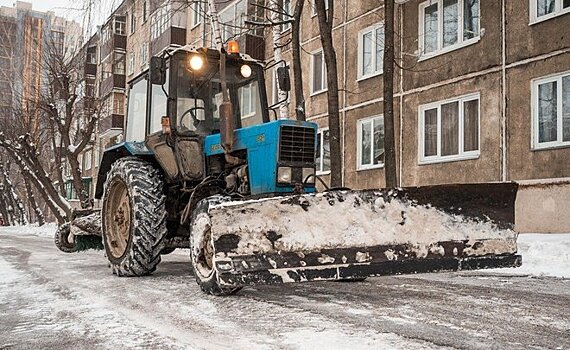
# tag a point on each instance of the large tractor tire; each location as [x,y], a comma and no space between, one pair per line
[62,239]
[202,252]
[133,217]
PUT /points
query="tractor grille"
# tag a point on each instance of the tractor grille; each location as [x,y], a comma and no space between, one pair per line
[297,144]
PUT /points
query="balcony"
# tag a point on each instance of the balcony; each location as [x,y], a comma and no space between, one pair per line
[111,124]
[252,45]
[173,35]
[115,81]
[90,68]
[117,42]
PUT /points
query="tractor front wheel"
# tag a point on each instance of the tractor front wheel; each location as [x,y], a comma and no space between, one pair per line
[133,217]
[202,252]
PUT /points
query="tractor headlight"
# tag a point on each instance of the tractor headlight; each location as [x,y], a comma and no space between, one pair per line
[284,175]
[308,175]
[245,71]
[196,62]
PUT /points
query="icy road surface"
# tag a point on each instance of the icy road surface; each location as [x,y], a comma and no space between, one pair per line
[53,300]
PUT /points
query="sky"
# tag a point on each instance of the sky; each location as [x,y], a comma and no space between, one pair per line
[72,9]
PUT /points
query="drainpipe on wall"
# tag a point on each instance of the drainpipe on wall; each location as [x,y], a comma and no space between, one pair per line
[504,143]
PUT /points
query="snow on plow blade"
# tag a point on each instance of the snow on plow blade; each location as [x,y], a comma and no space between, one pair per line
[355,234]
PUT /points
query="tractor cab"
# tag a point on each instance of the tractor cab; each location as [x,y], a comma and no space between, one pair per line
[182,91]
[199,112]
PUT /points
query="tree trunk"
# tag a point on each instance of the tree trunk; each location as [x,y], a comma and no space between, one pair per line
[40,219]
[77,180]
[19,211]
[4,210]
[297,70]
[37,175]
[325,28]
[276,36]
[390,170]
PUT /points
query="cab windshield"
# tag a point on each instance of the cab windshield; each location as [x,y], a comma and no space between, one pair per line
[199,96]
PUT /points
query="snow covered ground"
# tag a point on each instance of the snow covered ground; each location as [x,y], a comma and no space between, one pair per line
[50,299]
[543,254]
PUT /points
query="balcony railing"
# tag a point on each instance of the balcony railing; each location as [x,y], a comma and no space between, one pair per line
[116,42]
[111,122]
[90,68]
[115,81]
[173,35]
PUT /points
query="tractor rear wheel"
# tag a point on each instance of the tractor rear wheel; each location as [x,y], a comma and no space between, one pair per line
[202,252]
[133,217]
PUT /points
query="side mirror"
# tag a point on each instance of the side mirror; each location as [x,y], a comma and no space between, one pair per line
[157,70]
[283,78]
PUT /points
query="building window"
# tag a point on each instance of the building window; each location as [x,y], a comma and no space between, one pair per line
[318,73]
[371,51]
[314,7]
[551,111]
[119,64]
[286,15]
[133,23]
[231,19]
[323,159]
[144,55]
[87,160]
[120,25]
[144,11]
[449,130]
[545,9]
[447,24]
[131,63]
[197,13]
[160,21]
[91,56]
[370,147]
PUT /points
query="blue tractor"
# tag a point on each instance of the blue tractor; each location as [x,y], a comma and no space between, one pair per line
[205,165]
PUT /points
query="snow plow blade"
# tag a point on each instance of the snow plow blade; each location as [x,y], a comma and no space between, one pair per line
[355,234]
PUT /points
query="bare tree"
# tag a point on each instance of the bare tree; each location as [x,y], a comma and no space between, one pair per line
[297,69]
[325,27]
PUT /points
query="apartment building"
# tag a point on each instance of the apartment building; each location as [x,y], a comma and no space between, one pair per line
[25,37]
[482,87]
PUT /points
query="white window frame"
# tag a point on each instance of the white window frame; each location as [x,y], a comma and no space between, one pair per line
[559,117]
[132,21]
[314,8]
[144,55]
[533,11]
[87,160]
[359,165]
[324,73]
[461,42]
[236,19]
[196,14]
[320,135]
[131,66]
[372,29]
[462,155]
[288,15]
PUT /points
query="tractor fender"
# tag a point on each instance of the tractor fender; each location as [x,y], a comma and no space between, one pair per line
[116,152]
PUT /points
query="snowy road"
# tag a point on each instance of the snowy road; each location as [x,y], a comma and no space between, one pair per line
[52,300]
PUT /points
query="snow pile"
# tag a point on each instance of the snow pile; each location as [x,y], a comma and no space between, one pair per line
[314,222]
[47,230]
[543,255]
